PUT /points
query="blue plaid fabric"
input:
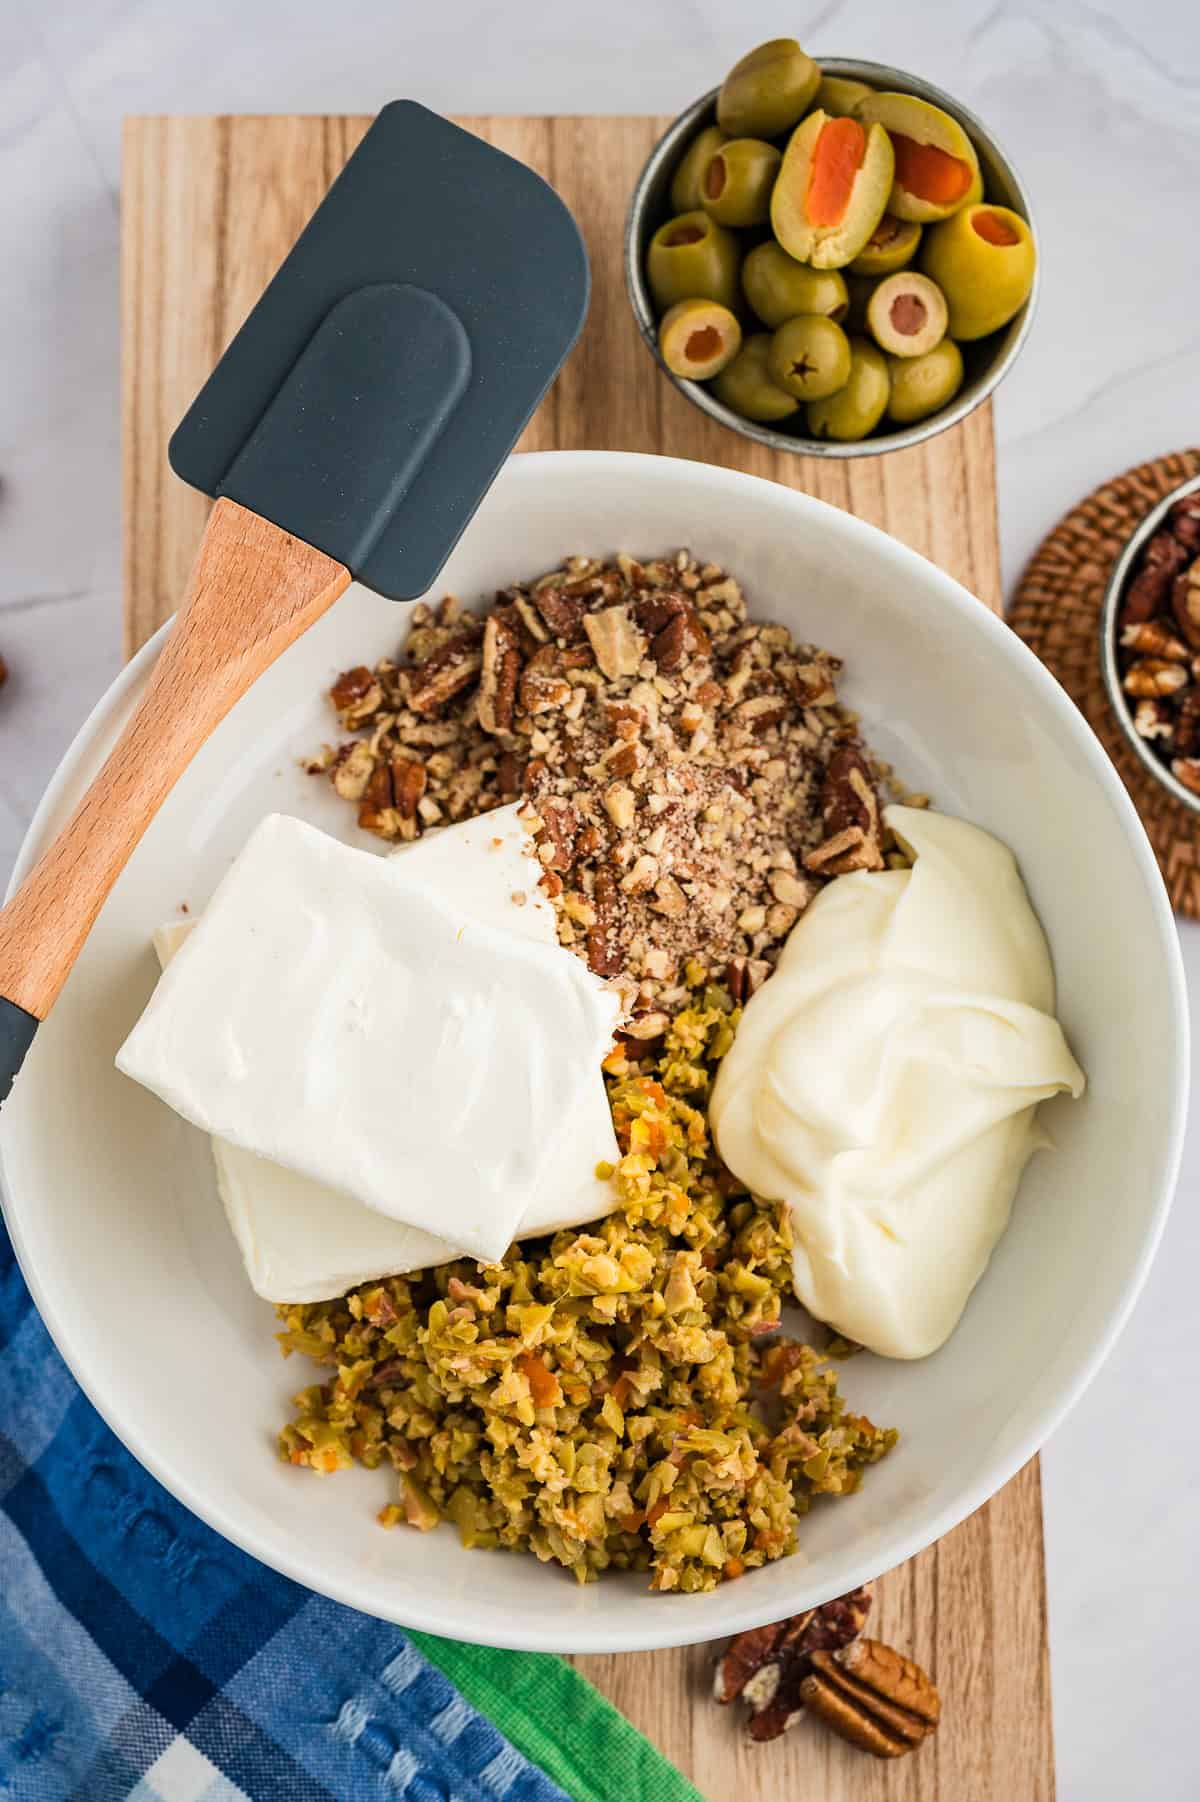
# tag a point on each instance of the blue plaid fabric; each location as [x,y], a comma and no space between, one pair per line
[142,1657]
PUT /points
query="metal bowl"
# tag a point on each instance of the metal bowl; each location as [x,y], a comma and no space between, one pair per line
[1122,573]
[987,361]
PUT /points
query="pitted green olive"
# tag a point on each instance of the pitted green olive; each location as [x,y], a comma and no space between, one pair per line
[692,258]
[689,171]
[922,385]
[735,188]
[778,287]
[855,410]
[809,357]
[746,386]
[767,91]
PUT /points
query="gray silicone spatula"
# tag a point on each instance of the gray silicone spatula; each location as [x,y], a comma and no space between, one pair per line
[349,431]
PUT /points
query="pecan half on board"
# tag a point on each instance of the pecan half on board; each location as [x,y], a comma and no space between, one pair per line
[867,1693]
[872,1696]
[766,1666]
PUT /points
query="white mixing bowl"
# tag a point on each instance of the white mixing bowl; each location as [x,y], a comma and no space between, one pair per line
[111,1201]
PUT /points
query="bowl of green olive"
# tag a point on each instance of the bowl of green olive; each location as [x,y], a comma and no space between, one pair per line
[832,258]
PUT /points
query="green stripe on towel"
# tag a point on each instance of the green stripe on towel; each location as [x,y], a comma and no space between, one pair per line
[561,1722]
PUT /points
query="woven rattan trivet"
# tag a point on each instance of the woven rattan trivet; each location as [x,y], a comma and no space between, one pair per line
[1057,613]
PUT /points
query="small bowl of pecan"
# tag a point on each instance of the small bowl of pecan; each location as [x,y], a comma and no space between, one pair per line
[1150,642]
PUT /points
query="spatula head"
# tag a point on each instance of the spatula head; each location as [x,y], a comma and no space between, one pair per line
[376,388]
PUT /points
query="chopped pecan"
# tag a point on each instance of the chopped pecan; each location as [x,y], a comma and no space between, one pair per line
[603,944]
[501,665]
[773,1691]
[451,668]
[532,629]
[1185,603]
[377,810]
[850,817]
[840,855]
[647,1026]
[1186,740]
[745,1655]
[578,907]
[760,712]
[1184,521]
[681,638]
[509,776]
[792,890]
[617,644]
[428,733]
[1151,676]
[562,612]
[356,694]
[621,759]
[560,829]
[642,773]
[642,875]
[599,585]
[408,785]
[671,622]
[669,898]
[1187,771]
[848,797]
[352,771]
[624,719]
[543,680]
[873,1697]
[620,804]
[812,684]
[1154,638]
[655,608]
[537,775]
[1150,589]
[1153,719]
[757,971]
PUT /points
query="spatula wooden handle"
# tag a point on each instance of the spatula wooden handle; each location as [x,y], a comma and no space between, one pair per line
[253,590]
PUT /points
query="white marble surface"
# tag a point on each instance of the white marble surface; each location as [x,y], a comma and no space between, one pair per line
[1100,107]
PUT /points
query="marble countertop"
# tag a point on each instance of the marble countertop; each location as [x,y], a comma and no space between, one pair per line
[1100,106]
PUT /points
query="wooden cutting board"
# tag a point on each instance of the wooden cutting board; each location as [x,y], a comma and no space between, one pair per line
[209,207]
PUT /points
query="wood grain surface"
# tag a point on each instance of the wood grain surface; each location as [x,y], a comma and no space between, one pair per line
[210,206]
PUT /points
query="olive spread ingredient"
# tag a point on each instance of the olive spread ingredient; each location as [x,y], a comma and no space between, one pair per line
[881,185]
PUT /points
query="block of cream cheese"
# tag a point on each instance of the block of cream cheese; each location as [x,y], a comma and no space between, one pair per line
[302,1241]
[487,863]
[370,1034]
[885,1081]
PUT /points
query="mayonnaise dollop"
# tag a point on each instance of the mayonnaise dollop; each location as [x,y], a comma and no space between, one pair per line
[884,1082]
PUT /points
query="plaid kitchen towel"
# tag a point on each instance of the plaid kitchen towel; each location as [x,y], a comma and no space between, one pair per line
[145,1659]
